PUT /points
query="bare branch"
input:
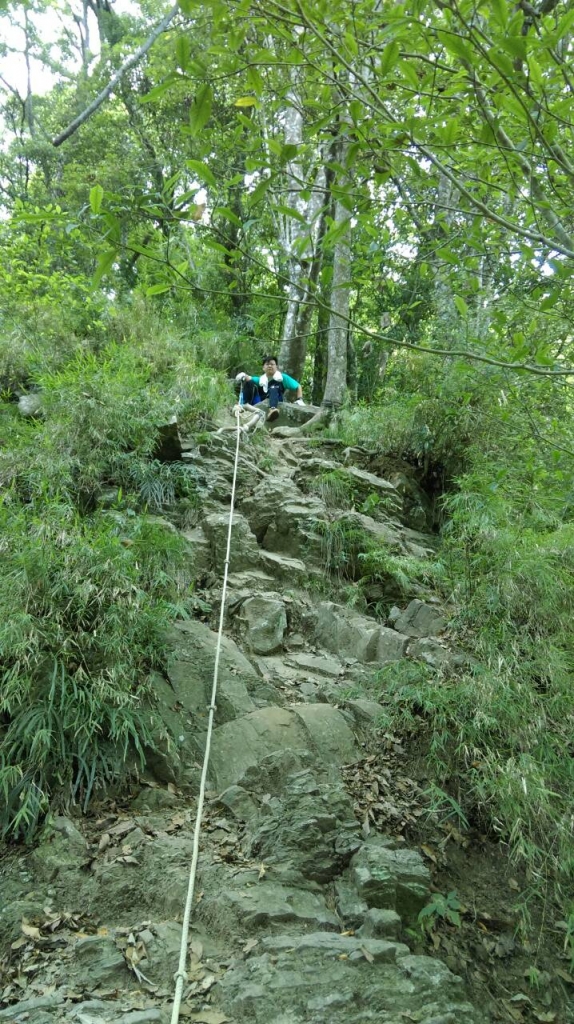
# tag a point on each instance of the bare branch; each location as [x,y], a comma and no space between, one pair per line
[129,63]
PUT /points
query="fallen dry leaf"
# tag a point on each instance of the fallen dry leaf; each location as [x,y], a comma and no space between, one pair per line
[367,955]
[122,828]
[250,944]
[105,840]
[196,950]
[30,930]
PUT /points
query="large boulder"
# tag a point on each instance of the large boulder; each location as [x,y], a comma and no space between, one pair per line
[264,620]
[243,550]
[420,619]
[180,711]
[391,879]
[246,742]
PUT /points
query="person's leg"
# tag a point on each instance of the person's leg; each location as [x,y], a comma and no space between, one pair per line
[275,397]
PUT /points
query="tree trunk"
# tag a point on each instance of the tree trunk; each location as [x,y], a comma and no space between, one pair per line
[336,384]
[299,237]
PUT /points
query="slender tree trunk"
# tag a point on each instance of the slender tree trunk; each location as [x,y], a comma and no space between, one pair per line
[336,383]
[320,359]
[299,236]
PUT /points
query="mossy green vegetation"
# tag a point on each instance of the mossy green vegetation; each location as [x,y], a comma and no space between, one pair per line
[91,572]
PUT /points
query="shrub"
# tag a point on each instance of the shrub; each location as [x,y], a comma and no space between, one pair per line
[84,605]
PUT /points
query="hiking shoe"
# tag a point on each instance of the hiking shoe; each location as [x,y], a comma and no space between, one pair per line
[272,414]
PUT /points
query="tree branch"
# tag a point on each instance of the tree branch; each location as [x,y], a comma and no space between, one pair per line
[129,63]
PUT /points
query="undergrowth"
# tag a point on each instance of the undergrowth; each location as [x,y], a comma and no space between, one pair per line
[84,605]
[501,731]
[89,580]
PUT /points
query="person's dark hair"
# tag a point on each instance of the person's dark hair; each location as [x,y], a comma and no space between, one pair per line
[267,359]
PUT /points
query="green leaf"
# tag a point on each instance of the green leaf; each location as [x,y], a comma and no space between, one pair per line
[565,24]
[159,90]
[201,109]
[255,81]
[202,172]
[534,71]
[290,211]
[158,289]
[335,232]
[457,46]
[500,9]
[246,101]
[105,262]
[96,197]
[351,43]
[182,51]
[460,305]
[389,58]
[259,191]
[409,72]
[224,211]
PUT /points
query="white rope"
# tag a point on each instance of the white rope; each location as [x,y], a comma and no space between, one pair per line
[180,976]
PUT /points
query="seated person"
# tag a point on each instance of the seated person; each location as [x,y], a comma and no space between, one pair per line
[271,384]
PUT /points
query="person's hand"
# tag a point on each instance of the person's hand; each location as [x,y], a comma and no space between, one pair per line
[298,401]
[242,376]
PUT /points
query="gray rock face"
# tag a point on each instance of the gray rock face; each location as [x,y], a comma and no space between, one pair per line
[98,961]
[190,673]
[64,850]
[245,742]
[243,543]
[320,976]
[389,879]
[420,619]
[434,654]
[265,622]
[199,549]
[271,904]
[311,828]
[346,633]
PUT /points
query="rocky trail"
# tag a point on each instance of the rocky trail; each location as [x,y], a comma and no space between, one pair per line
[307,893]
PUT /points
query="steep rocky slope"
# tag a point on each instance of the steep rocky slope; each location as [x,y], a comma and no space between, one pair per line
[302,913]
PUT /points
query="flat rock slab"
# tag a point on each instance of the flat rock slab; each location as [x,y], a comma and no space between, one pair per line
[290,570]
[344,632]
[330,734]
[190,674]
[321,666]
[245,742]
[242,744]
[320,977]
[270,904]
[381,950]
